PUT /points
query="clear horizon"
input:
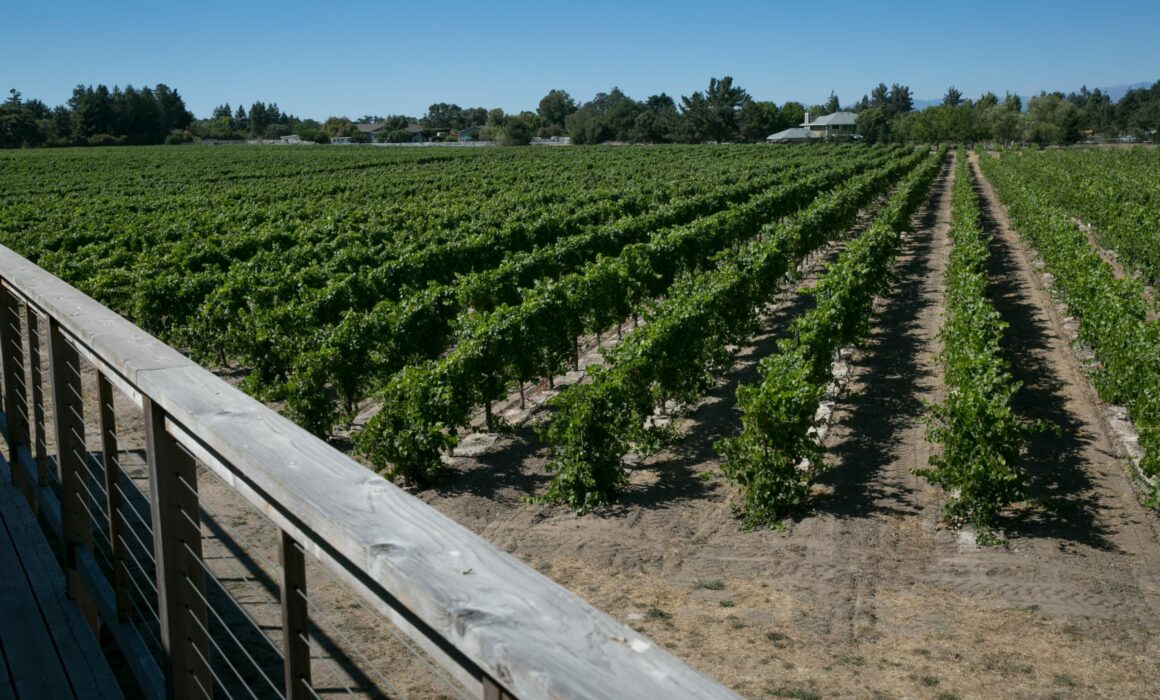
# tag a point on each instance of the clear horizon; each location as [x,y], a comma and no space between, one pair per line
[375,60]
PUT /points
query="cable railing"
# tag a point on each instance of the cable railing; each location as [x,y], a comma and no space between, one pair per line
[225,552]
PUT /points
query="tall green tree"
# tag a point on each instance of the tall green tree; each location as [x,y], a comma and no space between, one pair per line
[792,114]
[443,116]
[608,116]
[873,125]
[658,120]
[901,100]
[832,105]
[18,127]
[713,114]
[555,107]
[1053,119]
[1005,120]
[474,116]
[759,119]
[517,132]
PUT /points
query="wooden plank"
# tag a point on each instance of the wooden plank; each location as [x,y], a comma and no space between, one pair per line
[295,620]
[107,371]
[7,690]
[28,648]
[181,602]
[85,668]
[126,348]
[484,608]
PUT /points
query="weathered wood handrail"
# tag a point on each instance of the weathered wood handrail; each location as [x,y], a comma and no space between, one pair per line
[501,629]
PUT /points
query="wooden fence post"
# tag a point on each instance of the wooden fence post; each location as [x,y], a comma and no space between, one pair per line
[40,451]
[494,691]
[15,396]
[295,620]
[181,602]
[107,424]
[69,426]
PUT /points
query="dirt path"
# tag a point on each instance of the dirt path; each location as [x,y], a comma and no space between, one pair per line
[867,595]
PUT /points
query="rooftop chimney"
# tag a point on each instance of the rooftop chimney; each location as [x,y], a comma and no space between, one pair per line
[807,118]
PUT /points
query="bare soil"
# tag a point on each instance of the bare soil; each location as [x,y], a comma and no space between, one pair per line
[868,594]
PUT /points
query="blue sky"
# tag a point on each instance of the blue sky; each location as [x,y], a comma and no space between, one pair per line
[355,57]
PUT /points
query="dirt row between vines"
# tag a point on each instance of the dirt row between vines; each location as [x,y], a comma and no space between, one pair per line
[867,595]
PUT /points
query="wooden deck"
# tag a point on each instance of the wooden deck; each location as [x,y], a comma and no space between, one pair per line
[46,648]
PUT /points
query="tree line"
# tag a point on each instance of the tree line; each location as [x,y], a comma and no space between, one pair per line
[723,112]
[1049,118]
[95,116]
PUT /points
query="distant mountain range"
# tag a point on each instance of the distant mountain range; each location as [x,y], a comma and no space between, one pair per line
[1113,91]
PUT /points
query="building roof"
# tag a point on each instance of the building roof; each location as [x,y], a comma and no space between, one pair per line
[794,134]
[369,127]
[835,119]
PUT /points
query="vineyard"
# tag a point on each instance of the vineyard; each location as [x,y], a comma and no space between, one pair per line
[432,285]
[1118,194]
[790,392]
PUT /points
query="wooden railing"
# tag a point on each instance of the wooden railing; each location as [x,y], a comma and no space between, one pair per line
[498,628]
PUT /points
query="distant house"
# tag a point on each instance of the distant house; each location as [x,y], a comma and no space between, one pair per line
[340,140]
[291,138]
[471,133]
[416,131]
[372,130]
[794,135]
[838,124]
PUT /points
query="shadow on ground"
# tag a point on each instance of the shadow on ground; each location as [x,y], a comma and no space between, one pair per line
[1054,460]
[878,418]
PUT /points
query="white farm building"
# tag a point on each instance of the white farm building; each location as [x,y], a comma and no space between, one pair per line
[836,125]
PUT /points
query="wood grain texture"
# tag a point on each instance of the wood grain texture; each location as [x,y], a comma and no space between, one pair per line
[40,448]
[24,638]
[111,471]
[181,601]
[12,363]
[48,614]
[532,636]
[69,429]
[7,690]
[295,620]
